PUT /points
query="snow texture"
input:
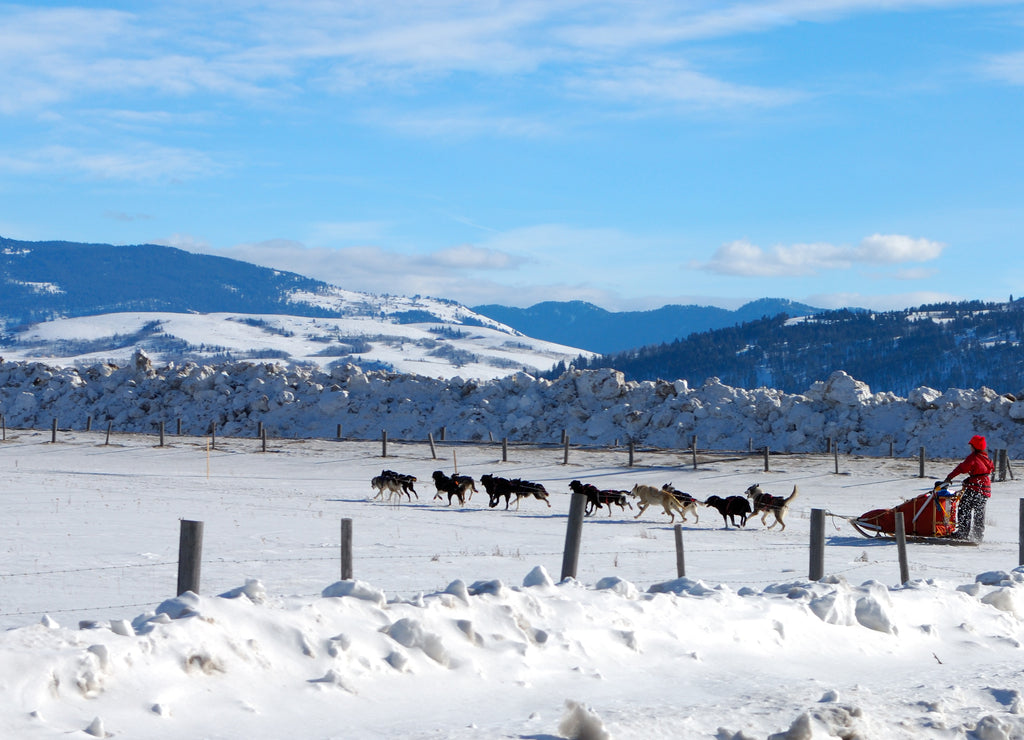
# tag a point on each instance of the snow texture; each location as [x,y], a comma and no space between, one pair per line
[592,407]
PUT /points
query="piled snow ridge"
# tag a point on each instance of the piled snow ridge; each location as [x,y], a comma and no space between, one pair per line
[593,407]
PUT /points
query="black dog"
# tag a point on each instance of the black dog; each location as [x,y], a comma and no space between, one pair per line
[730,508]
[455,485]
[596,497]
[497,487]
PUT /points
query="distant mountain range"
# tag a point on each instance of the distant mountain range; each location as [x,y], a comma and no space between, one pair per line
[581,324]
[68,303]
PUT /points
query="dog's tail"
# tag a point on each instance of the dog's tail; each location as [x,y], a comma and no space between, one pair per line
[792,496]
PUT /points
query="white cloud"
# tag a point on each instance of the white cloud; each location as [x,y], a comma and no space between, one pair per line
[1007,67]
[138,163]
[367,268]
[896,249]
[674,82]
[742,258]
[468,257]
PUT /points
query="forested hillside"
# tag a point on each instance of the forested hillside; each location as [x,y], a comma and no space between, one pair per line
[951,345]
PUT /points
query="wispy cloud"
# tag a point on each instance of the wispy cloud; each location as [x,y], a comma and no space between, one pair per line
[142,163]
[367,268]
[1006,67]
[742,258]
[285,48]
[673,82]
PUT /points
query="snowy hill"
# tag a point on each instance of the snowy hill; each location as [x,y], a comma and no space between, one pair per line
[433,349]
[99,303]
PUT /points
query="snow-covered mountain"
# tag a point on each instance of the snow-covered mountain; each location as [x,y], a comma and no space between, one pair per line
[81,303]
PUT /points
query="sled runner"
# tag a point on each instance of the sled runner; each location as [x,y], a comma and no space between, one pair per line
[930,517]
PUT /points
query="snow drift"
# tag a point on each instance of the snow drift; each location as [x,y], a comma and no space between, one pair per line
[593,407]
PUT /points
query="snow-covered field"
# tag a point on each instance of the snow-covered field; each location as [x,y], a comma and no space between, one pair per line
[455,626]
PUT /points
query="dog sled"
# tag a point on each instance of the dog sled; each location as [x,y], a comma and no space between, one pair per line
[930,517]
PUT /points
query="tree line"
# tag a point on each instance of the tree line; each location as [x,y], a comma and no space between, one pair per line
[945,345]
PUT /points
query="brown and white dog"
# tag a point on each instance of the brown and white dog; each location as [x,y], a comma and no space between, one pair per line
[396,484]
[686,500]
[648,495]
[765,504]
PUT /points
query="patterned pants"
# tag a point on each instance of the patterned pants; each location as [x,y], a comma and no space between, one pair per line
[970,517]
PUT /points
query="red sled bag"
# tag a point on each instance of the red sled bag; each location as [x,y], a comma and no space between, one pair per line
[931,514]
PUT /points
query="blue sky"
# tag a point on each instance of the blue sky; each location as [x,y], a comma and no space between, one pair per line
[841,153]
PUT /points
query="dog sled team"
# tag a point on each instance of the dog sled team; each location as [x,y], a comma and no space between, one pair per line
[736,510]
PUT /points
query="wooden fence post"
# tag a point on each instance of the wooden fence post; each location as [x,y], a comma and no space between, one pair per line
[444,433]
[259,429]
[835,455]
[346,549]
[1004,464]
[339,431]
[88,423]
[213,435]
[632,447]
[766,466]
[109,425]
[573,535]
[179,426]
[892,449]
[3,421]
[1020,533]
[263,436]
[383,442]
[693,449]
[504,449]
[901,548]
[680,559]
[433,450]
[921,473]
[817,566]
[828,445]
[565,458]
[161,434]
[53,432]
[190,556]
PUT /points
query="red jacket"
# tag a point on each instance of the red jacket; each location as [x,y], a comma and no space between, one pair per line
[978,467]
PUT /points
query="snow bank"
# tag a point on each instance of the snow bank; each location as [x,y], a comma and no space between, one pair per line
[343,654]
[594,407]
